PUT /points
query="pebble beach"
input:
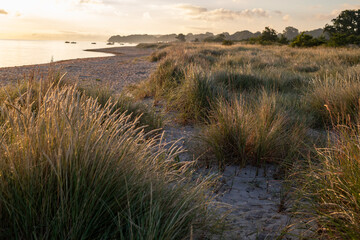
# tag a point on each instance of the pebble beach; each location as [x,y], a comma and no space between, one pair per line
[128,65]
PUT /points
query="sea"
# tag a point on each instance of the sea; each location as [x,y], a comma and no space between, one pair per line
[27,52]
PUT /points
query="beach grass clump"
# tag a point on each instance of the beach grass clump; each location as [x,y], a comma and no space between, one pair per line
[167,76]
[330,189]
[171,72]
[333,98]
[251,132]
[193,99]
[236,80]
[145,115]
[157,56]
[34,83]
[153,45]
[77,170]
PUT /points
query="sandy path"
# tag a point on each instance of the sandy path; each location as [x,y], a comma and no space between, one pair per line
[128,65]
[252,194]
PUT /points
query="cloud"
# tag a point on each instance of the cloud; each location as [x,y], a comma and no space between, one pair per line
[2,11]
[328,16]
[147,16]
[191,9]
[286,18]
[334,13]
[91,2]
[350,6]
[201,13]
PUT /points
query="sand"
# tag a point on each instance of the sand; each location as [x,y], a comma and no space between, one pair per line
[129,65]
[252,195]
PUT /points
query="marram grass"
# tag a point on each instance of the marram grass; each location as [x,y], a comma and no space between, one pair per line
[73,169]
[330,187]
[252,132]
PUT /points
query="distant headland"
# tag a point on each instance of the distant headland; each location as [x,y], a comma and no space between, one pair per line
[237,36]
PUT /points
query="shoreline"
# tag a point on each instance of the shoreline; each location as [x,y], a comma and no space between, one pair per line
[128,65]
[115,51]
[110,50]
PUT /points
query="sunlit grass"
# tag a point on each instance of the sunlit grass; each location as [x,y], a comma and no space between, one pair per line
[72,168]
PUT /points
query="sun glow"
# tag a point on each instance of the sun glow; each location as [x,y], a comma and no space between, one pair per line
[36,18]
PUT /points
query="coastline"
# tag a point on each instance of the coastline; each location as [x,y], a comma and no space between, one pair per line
[128,65]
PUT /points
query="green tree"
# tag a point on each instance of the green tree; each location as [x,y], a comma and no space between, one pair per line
[269,35]
[348,23]
[345,28]
[283,40]
[181,37]
[290,32]
[305,40]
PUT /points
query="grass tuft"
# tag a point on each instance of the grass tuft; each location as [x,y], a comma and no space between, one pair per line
[252,132]
[71,168]
[330,189]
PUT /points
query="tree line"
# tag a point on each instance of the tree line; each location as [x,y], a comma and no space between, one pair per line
[344,30]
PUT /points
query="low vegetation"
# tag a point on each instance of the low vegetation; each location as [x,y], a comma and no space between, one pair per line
[144,115]
[192,79]
[330,187]
[81,163]
[75,167]
[252,133]
[260,104]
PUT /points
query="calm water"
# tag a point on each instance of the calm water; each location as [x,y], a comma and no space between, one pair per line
[20,52]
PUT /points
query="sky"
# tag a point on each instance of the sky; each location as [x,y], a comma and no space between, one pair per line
[99,19]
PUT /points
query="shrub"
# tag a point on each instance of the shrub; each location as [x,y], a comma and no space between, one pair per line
[342,39]
[305,40]
[76,170]
[283,40]
[227,43]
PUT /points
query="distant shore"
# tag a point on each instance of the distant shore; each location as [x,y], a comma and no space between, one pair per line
[128,65]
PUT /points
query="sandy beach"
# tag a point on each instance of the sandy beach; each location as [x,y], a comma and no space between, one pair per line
[128,65]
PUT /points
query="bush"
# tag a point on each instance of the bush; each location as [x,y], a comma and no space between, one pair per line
[76,170]
[283,40]
[227,43]
[342,39]
[305,40]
